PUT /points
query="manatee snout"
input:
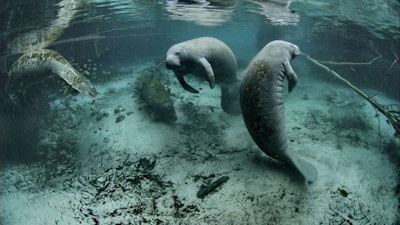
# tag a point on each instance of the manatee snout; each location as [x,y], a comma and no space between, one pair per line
[170,66]
[295,51]
[172,62]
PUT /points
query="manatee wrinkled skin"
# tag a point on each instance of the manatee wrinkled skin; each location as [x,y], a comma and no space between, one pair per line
[157,99]
[262,103]
[209,59]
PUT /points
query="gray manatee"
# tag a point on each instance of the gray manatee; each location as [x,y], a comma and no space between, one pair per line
[262,103]
[209,59]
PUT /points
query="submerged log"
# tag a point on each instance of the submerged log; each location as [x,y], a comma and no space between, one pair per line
[205,190]
[392,116]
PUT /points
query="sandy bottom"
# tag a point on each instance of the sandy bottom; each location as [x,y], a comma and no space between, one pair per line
[106,161]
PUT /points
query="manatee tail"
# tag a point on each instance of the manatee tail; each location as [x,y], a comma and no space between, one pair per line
[305,168]
[230,98]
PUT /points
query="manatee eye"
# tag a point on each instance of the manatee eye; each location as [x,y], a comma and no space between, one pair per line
[177,53]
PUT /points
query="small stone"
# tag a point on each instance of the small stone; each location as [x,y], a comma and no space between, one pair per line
[118,110]
[101,179]
[119,118]
[101,115]
[81,179]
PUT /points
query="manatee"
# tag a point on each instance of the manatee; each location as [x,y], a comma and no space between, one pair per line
[209,59]
[262,103]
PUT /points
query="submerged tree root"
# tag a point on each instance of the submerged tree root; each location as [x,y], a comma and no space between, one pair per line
[392,116]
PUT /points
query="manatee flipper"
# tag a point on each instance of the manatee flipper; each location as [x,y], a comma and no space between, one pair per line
[305,168]
[290,75]
[186,86]
[210,73]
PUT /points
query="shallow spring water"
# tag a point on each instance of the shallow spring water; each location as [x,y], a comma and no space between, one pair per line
[68,158]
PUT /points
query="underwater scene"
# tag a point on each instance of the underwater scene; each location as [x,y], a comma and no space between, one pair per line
[199,112]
